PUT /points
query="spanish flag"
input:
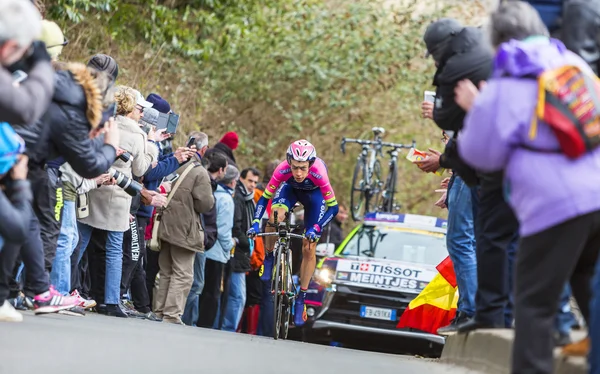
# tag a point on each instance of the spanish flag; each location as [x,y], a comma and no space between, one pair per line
[436,305]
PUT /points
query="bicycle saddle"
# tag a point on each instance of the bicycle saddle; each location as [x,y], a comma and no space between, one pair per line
[377,131]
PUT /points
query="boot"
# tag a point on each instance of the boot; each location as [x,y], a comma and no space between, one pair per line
[577,349]
[252,319]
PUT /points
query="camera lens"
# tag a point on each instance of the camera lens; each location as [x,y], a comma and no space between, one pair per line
[129,185]
[125,157]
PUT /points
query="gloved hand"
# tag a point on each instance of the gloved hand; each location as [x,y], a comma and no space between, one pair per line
[253,230]
[313,234]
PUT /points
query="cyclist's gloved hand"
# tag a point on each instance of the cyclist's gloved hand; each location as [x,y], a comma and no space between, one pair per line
[254,229]
[314,233]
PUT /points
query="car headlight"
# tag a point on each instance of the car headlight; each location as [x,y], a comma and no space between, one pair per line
[324,276]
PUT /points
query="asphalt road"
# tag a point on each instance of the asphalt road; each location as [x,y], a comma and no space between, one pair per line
[92,344]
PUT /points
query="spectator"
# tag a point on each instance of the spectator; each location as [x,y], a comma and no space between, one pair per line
[552,216]
[181,236]
[20,24]
[216,166]
[219,254]
[159,103]
[244,214]
[226,146]
[54,39]
[134,278]
[109,205]
[333,233]
[458,52]
[106,64]
[15,202]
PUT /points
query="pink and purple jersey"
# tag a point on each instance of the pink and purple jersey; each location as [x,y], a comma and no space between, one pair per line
[317,179]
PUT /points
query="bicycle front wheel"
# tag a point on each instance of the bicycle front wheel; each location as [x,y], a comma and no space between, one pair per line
[278,297]
[358,193]
[389,190]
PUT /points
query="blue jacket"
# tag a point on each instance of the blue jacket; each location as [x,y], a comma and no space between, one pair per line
[167,164]
[221,251]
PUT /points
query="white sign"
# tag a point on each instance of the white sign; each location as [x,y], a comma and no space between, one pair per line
[384,274]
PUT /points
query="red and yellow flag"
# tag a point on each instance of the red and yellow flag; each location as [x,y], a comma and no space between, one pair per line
[436,305]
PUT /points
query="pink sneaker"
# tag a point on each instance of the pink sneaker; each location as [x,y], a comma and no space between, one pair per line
[52,301]
[84,303]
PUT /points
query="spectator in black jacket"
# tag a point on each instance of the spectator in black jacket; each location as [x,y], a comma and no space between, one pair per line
[244,214]
[228,143]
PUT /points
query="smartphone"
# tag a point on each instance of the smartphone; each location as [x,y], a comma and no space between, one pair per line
[172,123]
[191,142]
[171,177]
[19,76]
[429,96]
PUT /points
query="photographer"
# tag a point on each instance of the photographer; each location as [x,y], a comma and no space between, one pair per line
[20,24]
[109,206]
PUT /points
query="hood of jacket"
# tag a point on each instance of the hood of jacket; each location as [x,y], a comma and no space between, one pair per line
[75,86]
[543,188]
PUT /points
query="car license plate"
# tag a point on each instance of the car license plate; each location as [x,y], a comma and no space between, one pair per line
[377,313]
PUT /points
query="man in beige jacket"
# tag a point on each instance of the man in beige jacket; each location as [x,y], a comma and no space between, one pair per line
[181,236]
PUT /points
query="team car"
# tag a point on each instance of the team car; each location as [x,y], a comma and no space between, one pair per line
[362,289]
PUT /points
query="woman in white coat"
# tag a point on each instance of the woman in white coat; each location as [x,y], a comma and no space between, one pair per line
[109,205]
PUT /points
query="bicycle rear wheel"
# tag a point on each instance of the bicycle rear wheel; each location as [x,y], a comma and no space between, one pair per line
[278,298]
[358,193]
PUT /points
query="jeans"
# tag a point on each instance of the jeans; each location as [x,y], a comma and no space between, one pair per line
[114,261]
[461,244]
[60,276]
[190,313]
[235,303]
[564,317]
[594,323]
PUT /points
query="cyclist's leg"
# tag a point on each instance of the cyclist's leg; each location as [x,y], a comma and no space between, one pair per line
[283,201]
[314,209]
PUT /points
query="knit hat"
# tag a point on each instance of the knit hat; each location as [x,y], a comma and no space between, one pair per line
[230,139]
[11,146]
[106,64]
[160,104]
[150,116]
[53,37]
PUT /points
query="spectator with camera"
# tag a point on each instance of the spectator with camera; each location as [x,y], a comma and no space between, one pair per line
[110,205]
[181,236]
[26,102]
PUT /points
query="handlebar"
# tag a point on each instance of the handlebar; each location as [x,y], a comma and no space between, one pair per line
[287,234]
[364,142]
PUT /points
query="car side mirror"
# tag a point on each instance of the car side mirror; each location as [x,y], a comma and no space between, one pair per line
[325,249]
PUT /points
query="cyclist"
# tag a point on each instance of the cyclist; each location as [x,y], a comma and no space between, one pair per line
[301,178]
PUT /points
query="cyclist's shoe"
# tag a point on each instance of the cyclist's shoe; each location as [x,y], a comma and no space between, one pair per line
[300,309]
[266,270]
[254,229]
[314,233]
[53,301]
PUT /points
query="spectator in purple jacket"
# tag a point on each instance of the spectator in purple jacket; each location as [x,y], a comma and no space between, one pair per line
[555,198]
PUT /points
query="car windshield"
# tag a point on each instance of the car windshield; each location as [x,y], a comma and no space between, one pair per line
[400,244]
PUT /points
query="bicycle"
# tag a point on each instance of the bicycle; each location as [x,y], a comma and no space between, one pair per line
[282,283]
[366,191]
[389,188]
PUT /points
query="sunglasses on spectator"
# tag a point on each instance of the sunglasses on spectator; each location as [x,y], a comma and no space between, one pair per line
[63,44]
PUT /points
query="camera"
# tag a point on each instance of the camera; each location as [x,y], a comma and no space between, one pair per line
[128,184]
[124,157]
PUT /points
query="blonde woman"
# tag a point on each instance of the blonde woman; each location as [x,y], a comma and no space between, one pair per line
[110,205]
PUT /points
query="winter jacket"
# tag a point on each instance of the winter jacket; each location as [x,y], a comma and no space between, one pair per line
[209,220]
[29,101]
[167,164]
[221,251]
[225,151]
[544,189]
[15,211]
[244,213]
[180,221]
[63,130]
[109,205]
